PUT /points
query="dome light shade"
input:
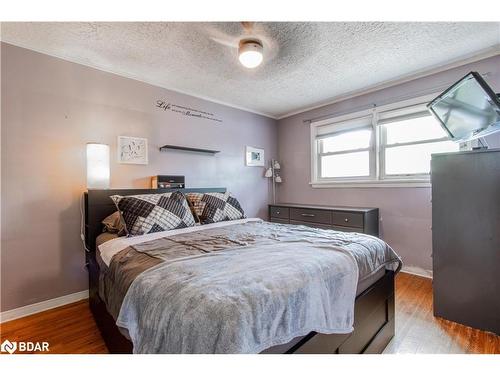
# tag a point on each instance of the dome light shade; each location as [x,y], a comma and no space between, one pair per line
[250,53]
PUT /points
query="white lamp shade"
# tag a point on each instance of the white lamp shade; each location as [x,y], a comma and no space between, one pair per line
[278,179]
[269,172]
[277,165]
[97,166]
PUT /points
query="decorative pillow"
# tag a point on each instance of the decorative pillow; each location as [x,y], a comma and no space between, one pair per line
[150,213]
[215,207]
[113,224]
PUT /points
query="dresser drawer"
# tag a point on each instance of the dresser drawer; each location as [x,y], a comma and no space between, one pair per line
[312,225]
[311,215]
[280,212]
[347,219]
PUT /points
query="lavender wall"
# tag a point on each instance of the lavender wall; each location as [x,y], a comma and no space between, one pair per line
[50,109]
[405,212]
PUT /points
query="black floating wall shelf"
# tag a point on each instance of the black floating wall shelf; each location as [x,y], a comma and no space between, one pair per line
[189,149]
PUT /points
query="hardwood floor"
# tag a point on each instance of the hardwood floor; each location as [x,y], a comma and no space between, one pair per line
[418,331]
[71,328]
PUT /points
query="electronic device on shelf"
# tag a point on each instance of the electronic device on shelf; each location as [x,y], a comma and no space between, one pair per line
[167,182]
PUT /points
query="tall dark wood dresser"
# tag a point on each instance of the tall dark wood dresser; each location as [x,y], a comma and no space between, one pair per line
[466,237]
[346,219]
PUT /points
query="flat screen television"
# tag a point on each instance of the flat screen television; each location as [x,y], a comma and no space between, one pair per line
[467,110]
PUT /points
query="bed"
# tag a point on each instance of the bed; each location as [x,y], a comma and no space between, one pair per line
[267,246]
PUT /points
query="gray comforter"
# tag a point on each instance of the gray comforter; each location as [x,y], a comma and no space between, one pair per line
[243,288]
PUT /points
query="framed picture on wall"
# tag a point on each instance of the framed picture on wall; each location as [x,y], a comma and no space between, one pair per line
[254,157]
[132,150]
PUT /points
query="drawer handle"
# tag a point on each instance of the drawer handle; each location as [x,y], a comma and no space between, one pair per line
[277,212]
[307,215]
[346,220]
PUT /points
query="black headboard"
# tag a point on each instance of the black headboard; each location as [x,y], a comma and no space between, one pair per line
[98,205]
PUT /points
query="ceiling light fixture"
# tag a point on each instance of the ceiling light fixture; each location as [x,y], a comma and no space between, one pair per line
[250,53]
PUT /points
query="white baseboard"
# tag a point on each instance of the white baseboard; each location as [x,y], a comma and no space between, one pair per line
[417,271]
[42,306]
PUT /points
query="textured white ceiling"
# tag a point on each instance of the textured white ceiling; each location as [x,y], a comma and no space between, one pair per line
[305,64]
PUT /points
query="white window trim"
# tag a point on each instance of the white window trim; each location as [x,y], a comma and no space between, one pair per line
[370,149]
[420,181]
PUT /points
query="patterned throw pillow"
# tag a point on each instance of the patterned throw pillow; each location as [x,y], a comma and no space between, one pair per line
[150,213]
[215,207]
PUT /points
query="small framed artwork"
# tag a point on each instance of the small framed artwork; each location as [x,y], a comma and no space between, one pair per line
[132,150]
[254,157]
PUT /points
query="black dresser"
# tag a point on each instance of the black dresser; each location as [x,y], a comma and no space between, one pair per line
[466,238]
[347,219]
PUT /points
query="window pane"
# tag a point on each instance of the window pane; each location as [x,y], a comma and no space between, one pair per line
[353,164]
[351,140]
[412,130]
[414,159]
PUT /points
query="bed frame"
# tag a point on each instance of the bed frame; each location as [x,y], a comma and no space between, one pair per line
[373,312]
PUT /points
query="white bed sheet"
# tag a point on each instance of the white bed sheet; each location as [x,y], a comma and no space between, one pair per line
[108,249]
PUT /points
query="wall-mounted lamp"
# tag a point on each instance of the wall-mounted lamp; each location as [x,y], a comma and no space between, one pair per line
[274,172]
[97,166]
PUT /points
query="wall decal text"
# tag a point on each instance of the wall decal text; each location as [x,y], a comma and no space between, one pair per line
[186,111]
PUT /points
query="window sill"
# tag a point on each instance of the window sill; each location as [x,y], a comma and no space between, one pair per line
[372,184]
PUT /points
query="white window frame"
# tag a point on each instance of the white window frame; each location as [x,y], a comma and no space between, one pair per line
[370,149]
[383,146]
[377,150]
